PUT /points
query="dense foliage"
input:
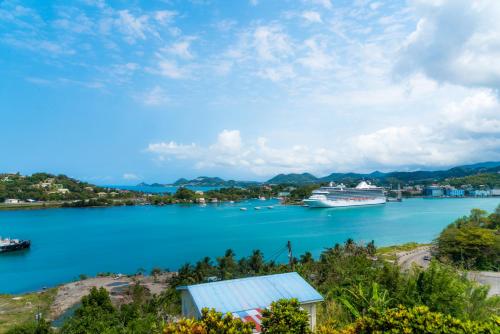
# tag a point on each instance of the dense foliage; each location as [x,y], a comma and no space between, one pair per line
[363,294]
[416,320]
[285,317]
[472,241]
[211,322]
[491,180]
[48,187]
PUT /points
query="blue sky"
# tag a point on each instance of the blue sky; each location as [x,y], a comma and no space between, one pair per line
[129,91]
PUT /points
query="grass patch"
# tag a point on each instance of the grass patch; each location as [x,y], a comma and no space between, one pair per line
[17,309]
[30,206]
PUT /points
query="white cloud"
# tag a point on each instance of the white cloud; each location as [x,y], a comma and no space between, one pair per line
[461,132]
[131,177]
[277,73]
[181,48]
[155,97]
[455,41]
[164,17]
[271,43]
[132,27]
[311,16]
[256,156]
[317,56]
[228,140]
[170,69]
[165,150]
[325,3]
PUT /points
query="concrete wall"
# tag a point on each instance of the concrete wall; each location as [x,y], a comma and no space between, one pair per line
[311,309]
[189,309]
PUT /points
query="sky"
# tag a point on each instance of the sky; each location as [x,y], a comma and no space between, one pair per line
[121,92]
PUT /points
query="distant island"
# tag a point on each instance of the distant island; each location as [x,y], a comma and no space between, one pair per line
[204,181]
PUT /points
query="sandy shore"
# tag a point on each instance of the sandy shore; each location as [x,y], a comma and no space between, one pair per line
[71,293]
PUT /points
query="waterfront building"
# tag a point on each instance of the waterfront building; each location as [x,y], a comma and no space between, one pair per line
[245,298]
[12,201]
[480,193]
[495,192]
[453,192]
[433,191]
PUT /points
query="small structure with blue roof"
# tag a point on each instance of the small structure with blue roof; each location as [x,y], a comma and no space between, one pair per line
[245,298]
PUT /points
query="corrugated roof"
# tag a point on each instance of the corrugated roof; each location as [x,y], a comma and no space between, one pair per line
[252,292]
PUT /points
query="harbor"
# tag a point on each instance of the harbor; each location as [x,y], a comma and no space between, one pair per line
[69,242]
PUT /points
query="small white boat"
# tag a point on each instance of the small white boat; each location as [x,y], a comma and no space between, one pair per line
[243,209]
[257,208]
[262,198]
[270,207]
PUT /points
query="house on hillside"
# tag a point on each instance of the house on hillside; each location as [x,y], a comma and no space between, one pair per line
[245,298]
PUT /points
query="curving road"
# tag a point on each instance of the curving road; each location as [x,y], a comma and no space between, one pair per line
[417,257]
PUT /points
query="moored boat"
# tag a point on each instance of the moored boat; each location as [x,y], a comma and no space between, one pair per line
[10,245]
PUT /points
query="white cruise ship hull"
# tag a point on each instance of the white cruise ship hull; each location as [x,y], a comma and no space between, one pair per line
[340,203]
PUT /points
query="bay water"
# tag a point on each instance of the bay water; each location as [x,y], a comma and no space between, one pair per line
[74,241]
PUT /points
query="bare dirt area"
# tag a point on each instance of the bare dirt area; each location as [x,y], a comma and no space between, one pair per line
[118,286]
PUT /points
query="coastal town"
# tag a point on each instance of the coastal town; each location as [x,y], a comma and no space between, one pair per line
[43,190]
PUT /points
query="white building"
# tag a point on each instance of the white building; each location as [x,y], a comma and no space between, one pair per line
[12,201]
[495,192]
[245,298]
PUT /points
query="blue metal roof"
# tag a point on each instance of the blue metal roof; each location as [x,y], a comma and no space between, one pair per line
[252,292]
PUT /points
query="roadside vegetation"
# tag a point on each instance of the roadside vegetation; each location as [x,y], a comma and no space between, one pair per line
[472,242]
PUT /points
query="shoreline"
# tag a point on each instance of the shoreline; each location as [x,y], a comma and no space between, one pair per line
[61,204]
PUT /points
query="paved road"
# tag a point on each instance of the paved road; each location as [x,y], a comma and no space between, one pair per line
[487,278]
[416,256]
[407,259]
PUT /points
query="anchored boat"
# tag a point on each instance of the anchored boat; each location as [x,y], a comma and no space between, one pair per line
[10,245]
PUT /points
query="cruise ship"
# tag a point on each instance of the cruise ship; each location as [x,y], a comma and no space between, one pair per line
[340,196]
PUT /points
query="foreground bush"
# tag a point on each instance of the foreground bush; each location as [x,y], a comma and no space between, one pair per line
[417,320]
[211,322]
[285,317]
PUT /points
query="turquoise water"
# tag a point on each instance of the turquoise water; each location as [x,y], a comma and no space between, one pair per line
[69,242]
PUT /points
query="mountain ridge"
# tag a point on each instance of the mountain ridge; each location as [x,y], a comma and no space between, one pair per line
[308,178]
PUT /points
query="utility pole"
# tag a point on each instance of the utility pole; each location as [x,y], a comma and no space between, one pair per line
[290,255]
